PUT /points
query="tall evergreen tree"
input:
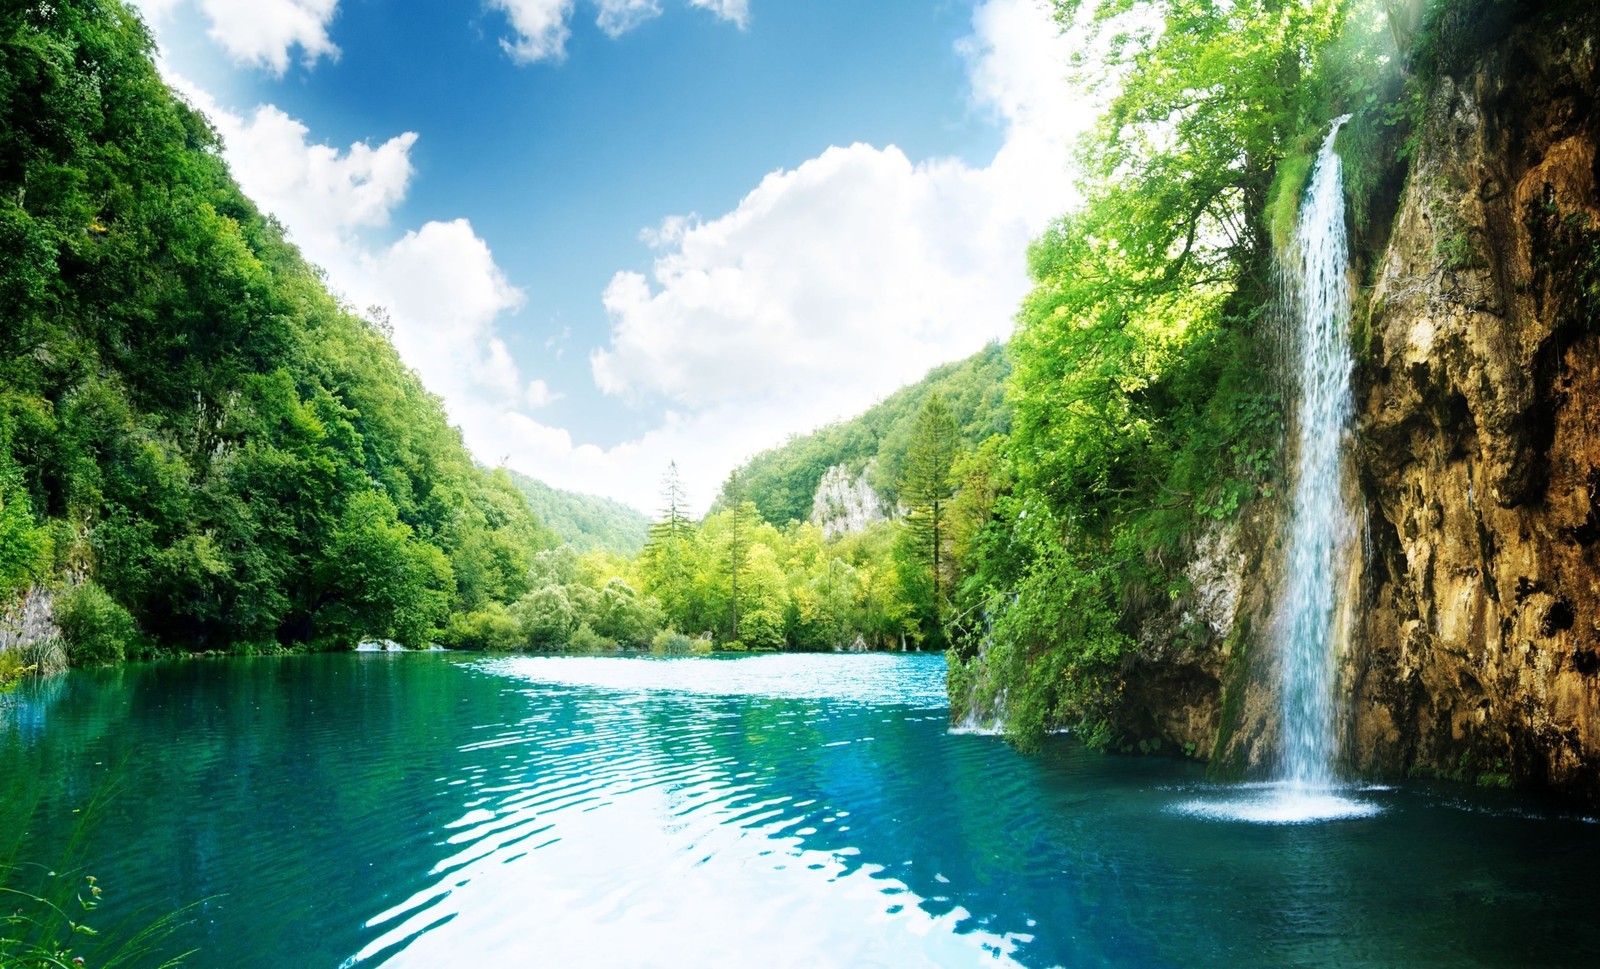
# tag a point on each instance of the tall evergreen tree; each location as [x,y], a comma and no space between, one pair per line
[666,560]
[925,488]
[743,518]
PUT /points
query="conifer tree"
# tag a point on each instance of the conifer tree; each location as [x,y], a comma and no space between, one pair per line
[925,489]
[666,562]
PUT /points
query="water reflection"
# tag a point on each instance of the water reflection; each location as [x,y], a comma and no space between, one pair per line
[683,813]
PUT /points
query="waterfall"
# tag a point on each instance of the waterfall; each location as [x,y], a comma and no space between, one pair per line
[1320,292]
[978,719]
[1316,307]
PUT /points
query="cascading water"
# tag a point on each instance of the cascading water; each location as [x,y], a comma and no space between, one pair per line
[1320,520]
[1318,307]
[983,716]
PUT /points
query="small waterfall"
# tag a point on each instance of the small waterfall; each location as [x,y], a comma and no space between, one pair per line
[977,720]
[1320,522]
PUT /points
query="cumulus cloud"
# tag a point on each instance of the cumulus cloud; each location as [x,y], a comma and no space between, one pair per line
[444,293]
[321,193]
[543,27]
[261,33]
[859,269]
[539,394]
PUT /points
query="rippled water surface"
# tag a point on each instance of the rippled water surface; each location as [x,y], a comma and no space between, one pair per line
[433,810]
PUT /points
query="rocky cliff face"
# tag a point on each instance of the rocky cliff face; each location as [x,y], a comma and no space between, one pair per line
[846,503]
[1479,430]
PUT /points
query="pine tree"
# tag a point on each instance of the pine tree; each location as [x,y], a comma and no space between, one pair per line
[665,559]
[925,488]
[741,523]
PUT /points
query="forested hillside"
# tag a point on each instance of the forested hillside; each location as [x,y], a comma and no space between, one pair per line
[782,482]
[199,446]
[586,522]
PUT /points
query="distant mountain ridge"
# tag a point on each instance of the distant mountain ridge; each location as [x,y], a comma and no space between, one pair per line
[586,522]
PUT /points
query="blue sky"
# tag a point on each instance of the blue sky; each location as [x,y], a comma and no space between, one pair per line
[614,233]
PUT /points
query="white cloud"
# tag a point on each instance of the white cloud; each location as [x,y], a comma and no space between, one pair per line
[319,192]
[539,394]
[543,27]
[444,294]
[734,11]
[849,275]
[617,17]
[261,33]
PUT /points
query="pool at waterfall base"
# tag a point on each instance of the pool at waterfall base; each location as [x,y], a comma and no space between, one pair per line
[429,809]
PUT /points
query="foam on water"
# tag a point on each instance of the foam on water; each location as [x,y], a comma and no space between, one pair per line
[1277,803]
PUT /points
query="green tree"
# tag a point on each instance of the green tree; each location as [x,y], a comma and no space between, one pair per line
[925,488]
[23,545]
[742,520]
[667,562]
[377,582]
[95,627]
[547,617]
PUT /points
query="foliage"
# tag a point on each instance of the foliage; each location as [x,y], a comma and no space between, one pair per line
[24,546]
[95,627]
[925,489]
[585,640]
[670,643]
[795,589]
[56,918]
[491,628]
[50,920]
[240,458]
[782,482]
[585,522]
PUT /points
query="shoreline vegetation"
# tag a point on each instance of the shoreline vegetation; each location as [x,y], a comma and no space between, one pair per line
[60,917]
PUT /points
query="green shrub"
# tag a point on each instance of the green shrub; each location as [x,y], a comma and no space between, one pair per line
[1283,209]
[585,640]
[669,642]
[546,616]
[95,627]
[43,655]
[492,627]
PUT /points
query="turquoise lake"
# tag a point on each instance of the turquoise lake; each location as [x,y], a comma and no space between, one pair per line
[436,810]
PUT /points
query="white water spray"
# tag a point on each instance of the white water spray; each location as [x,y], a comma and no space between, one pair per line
[1320,521]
